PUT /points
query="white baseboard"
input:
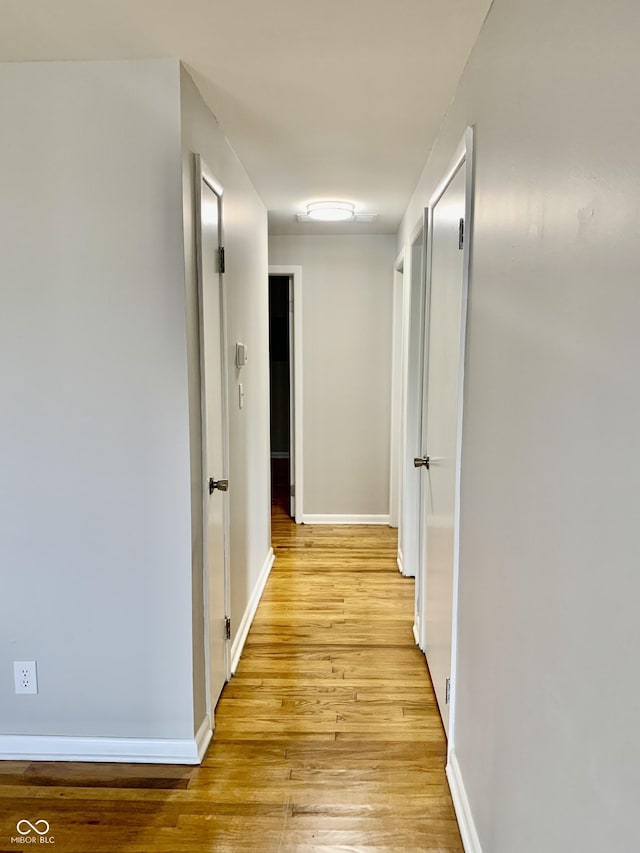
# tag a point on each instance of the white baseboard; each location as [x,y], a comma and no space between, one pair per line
[133,750]
[250,611]
[468,830]
[203,737]
[345,519]
[401,568]
[415,634]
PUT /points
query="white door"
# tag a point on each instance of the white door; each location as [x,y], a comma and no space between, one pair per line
[408,535]
[213,411]
[441,419]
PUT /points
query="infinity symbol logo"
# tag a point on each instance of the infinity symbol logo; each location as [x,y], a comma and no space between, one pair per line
[32,827]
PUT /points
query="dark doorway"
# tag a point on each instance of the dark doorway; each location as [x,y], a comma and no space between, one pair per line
[280,389]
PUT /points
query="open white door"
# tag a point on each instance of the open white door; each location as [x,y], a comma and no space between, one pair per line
[447,263]
[214,445]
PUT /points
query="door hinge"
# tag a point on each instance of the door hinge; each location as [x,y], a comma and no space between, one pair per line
[292,491]
[227,627]
[220,485]
[461,234]
[447,691]
[221,263]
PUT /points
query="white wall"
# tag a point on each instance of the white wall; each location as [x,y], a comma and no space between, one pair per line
[246,287]
[546,731]
[101,528]
[347,305]
[94,434]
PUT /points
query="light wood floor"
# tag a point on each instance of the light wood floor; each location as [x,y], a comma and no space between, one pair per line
[327,738]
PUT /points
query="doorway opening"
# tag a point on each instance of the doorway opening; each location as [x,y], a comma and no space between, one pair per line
[285,371]
[280,375]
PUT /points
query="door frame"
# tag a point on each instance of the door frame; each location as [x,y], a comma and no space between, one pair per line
[423,227]
[295,388]
[463,156]
[204,175]
[396,454]
[408,536]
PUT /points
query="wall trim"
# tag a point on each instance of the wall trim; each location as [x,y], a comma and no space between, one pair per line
[400,564]
[461,805]
[250,611]
[345,519]
[396,424]
[132,750]
[203,737]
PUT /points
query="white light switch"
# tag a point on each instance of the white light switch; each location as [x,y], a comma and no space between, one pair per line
[241,395]
[241,355]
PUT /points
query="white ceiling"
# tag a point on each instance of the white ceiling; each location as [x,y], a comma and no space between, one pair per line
[320,98]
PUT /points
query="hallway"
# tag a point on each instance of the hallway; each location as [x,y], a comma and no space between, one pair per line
[332,705]
[327,737]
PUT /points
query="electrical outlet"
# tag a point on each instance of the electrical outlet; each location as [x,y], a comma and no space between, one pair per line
[26,679]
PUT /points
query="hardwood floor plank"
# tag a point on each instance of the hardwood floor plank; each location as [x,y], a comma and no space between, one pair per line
[328,737]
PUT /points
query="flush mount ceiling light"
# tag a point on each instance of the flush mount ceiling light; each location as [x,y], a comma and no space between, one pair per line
[334,211]
[331,211]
